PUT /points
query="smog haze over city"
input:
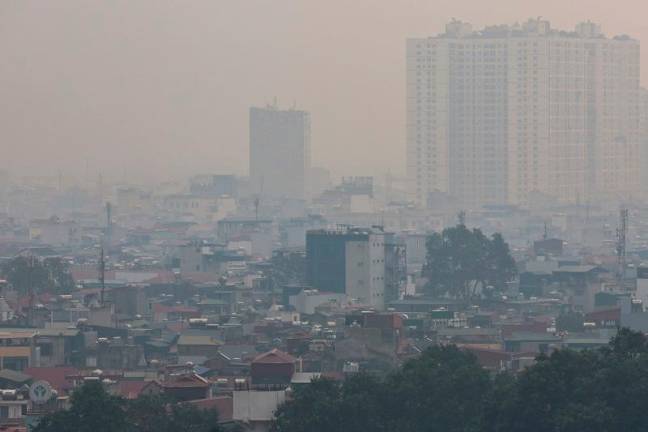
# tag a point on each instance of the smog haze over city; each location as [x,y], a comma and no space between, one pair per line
[323,216]
[146,89]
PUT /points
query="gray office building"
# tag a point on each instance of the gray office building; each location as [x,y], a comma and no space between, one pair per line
[279,152]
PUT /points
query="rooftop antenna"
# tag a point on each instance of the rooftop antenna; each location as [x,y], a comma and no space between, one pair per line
[30,311]
[622,234]
[100,186]
[257,201]
[108,218]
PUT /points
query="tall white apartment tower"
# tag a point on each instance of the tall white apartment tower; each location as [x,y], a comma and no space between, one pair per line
[498,115]
[280,152]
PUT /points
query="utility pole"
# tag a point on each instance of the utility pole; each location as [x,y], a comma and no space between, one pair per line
[109,226]
[257,201]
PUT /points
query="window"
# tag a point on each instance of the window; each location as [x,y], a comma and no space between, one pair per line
[45,349]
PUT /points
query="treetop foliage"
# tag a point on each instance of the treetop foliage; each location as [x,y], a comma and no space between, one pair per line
[41,275]
[95,410]
[459,261]
[445,390]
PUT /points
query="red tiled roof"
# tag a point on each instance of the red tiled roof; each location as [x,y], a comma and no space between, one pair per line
[43,298]
[56,376]
[163,277]
[89,272]
[132,389]
[186,382]
[224,405]
[274,357]
[200,277]
[160,308]
[175,327]
[612,314]
[11,428]
[333,375]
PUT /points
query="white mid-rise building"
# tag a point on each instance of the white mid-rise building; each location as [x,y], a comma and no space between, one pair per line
[496,115]
[348,261]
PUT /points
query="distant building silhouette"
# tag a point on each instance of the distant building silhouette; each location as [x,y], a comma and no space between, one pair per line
[279,152]
[496,114]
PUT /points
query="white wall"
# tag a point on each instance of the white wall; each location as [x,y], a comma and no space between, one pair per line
[251,405]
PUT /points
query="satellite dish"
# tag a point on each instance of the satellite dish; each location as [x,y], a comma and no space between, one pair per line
[40,392]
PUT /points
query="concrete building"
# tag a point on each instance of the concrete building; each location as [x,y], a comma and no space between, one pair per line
[350,261]
[643,139]
[279,152]
[18,349]
[498,115]
[306,301]
[214,185]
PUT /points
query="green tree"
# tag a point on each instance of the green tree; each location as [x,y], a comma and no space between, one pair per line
[460,260]
[314,408]
[598,390]
[287,267]
[48,275]
[95,410]
[59,277]
[443,390]
[570,321]
[92,410]
[186,417]
[500,264]
[148,413]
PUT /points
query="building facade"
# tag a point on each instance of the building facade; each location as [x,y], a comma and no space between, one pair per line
[279,152]
[349,261]
[498,115]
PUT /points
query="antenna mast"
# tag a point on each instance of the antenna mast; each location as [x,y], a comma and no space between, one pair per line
[102,275]
[30,311]
[622,234]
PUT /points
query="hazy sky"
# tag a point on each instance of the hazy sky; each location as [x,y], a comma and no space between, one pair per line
[162,88]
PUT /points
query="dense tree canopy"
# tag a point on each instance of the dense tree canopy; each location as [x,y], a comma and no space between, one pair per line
[287,267]
[46,275]
[95,410]
[444,389]
[441,390]
[459,261]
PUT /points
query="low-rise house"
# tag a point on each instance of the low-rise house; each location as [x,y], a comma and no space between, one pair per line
[197,348]
[59,346]
[272,369]
[186,387]
[17,349]
[60,378]
[13,406]
[543,343]
[10,379]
